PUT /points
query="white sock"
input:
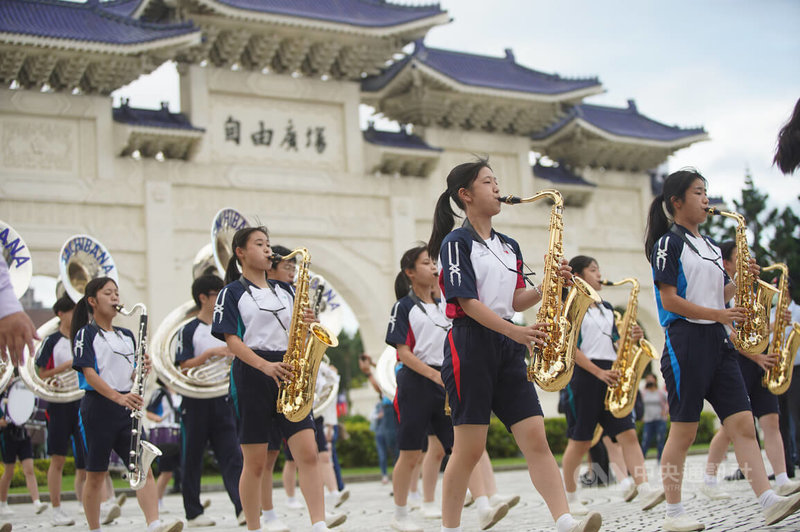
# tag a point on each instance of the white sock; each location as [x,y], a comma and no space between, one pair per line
[626,483]
[454,529]
[565,522]
[155,524]
[768,498]
[37,502]
[572,496]
[710,480]
[482,503]
[319,526]
[400,512]
[269,515]
[781,479]
[674,510]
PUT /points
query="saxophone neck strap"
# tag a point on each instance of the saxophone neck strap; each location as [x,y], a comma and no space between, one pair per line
[274,313]
[418,302]
[680,232]
[472,231]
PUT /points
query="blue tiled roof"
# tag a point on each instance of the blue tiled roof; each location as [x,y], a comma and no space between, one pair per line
[559,174]
[152,118]
[396,139]
[625,122]
[88,21]
[123,8]
[502,73]
[366,13]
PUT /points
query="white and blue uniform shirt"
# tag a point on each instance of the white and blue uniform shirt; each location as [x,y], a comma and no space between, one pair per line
[259,316]
[421,326]
[165,404]
[112,354]
[598,333]
[473,270]
[194,339]
[698,276]
[54,351]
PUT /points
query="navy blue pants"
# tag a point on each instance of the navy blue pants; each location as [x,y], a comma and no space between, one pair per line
[208,421]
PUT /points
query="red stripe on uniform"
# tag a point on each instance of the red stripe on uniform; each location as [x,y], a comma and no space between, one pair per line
[456,363]
[396,406]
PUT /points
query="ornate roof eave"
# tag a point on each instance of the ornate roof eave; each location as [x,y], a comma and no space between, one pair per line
[416,27]
[409,162]
[172,143]
[178,41]
[574,194]
[484,92]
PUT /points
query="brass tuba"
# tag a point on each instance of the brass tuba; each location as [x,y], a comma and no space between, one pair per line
[779,377]
[82,259]
[752,335]
[307,345]
[212,378]
[632,357]
[552,364]
[20,271]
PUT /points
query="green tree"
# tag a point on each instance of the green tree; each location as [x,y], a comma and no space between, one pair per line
[345,358]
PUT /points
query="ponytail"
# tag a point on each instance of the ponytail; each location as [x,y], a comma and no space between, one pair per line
[83,311]
[787,155]
[662,211]
[239,240]
[462,176]
[402,284]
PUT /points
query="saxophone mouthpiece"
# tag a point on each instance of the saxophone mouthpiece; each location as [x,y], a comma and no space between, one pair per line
[606,282]
[511,200]
[118,308]
[712,210]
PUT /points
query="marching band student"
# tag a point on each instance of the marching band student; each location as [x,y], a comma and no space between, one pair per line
[208,420]
[63,423]
[417,329]
[105,357]
[699,361]
[764,405]
[253,316]
[484,354]
[593,375]
[163,410]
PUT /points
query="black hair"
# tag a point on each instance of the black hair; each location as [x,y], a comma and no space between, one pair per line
[63,304]
[239,240]
[787,154]
[726,248]
[204,285]
[277,249]
[579,263]
[82,308]
[675,186]
[462,176]
[402,284]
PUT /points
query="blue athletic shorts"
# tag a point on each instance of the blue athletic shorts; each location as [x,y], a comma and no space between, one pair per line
[762,401]
[419,403]
[587,407]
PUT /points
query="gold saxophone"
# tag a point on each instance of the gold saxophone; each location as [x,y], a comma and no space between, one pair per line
[552,364]
[307,345]
[752,334]
[779,377]
[632,357]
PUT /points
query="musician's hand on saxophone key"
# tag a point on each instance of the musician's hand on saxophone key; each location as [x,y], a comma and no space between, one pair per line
[608,376]
[730,315]
[636,333]
[565,271]
[755,269]
[530,335]
[279,371]
[765,361]
[309,316]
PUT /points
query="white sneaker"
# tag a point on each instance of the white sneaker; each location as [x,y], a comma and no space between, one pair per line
[333,520]
[682,523]
[578,509]
[405,525]
[40,506]
[200,520]
[414,500]
[790,487]
[5,509]
[489,517]
[341,496]
[175,526]
[275,525]
[5,527]
[121,500]
[782,509]
[59,518]
[431,510]
[652,498]
[590,523]
[715,493]
[109,513]
[241,519]
[630,493]
[508,500]
[206,503]
[468,499]
[294,504]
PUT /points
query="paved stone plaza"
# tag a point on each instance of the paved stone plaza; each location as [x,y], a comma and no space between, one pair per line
[370,509]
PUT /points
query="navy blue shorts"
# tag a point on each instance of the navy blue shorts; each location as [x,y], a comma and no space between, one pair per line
[586,405]
[106,428]
[484,372]
[319,434]
[15,443]
[64,431]
[762,401]
[274,438]
[699,362]
[287,454]
[254,400]
[419,403]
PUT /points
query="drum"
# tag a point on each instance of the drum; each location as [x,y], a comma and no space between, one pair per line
[21,403]
[164,436]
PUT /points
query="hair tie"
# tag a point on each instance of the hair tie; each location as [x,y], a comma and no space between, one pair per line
[666,212]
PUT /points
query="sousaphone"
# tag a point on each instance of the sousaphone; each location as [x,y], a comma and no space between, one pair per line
[82,259]
[20,271]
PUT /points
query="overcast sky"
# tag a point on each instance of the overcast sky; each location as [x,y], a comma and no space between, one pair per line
[731,66]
